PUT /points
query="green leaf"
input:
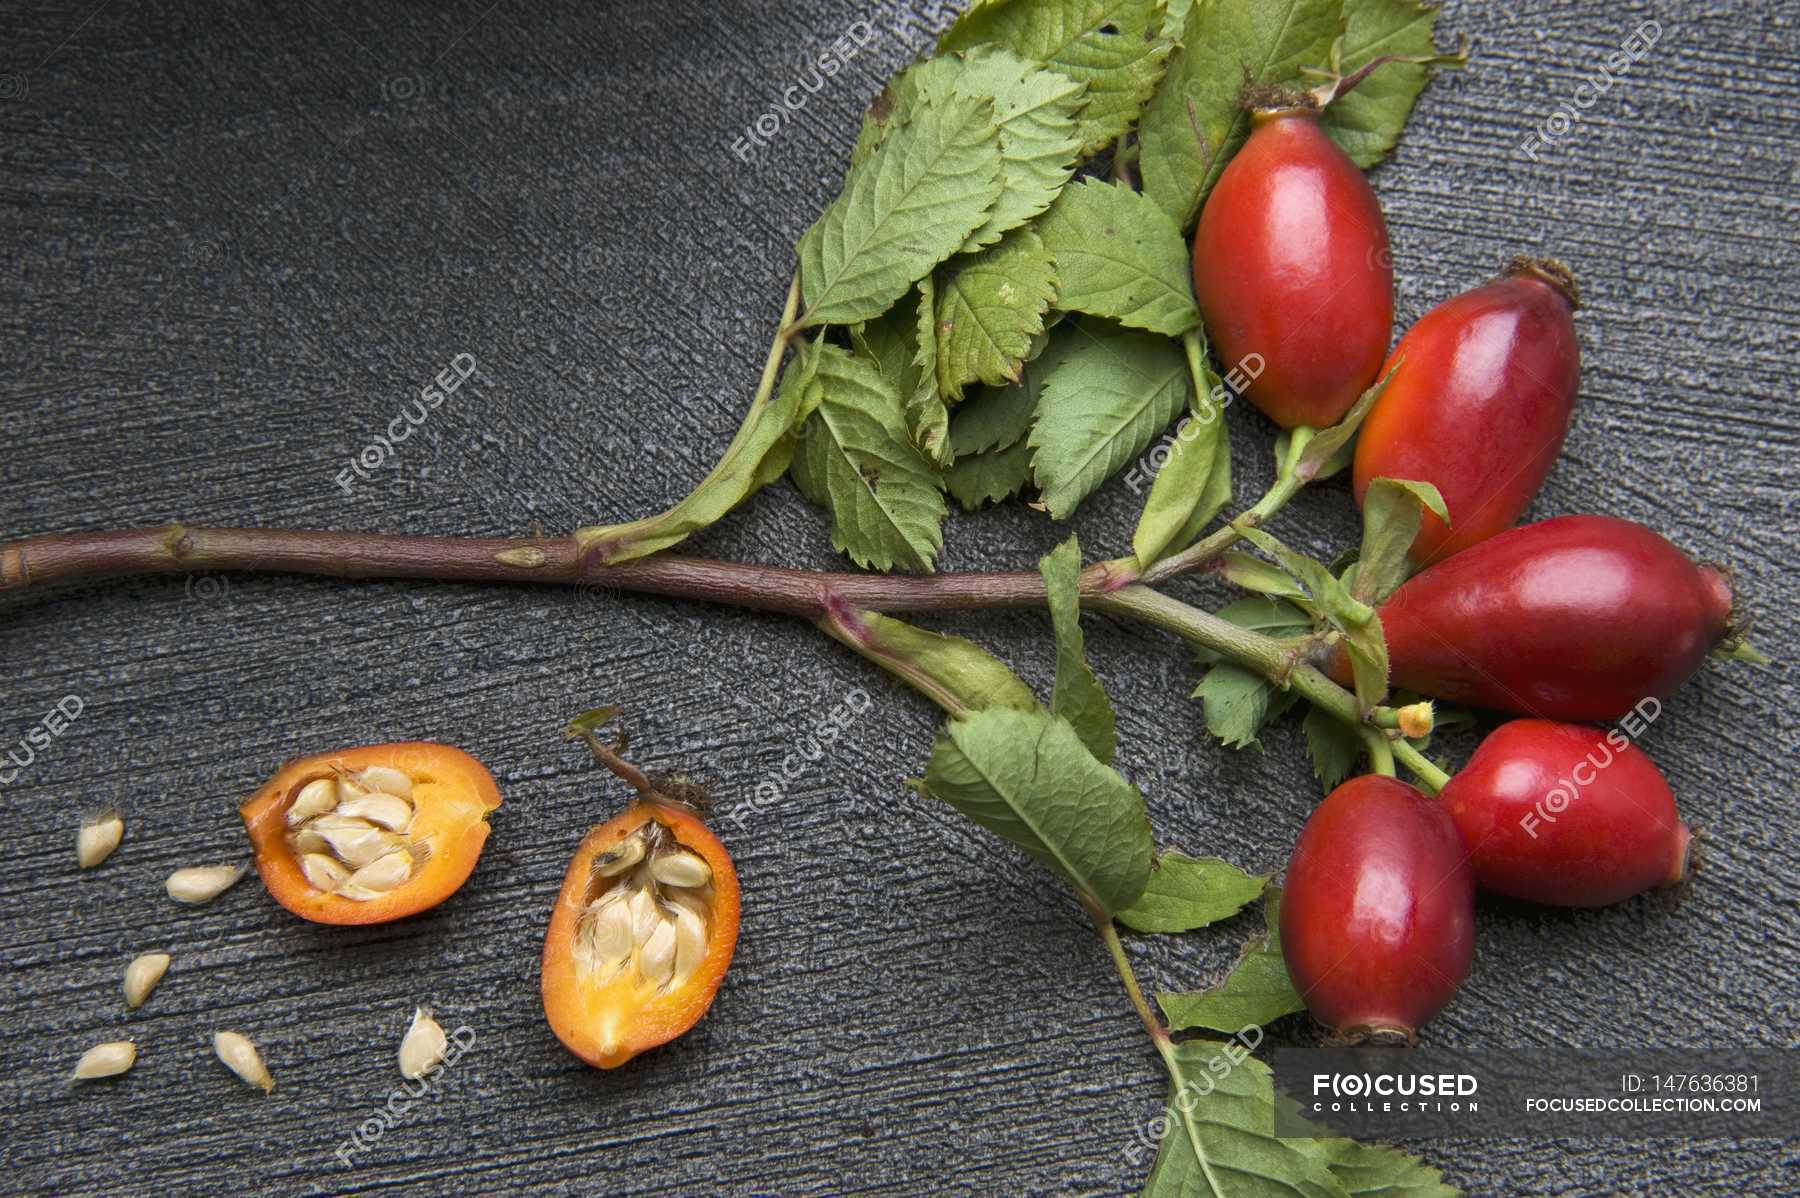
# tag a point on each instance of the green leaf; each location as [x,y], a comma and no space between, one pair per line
[1254,574]
[900,343]
[1367,121]
[1256,991]
[1078,696]
[1333,745]
[1221,1141]
[1028,777]
[758,454]
[1185,893]
[1332,448]
[956,674]
[1259,614]
[1237,704]
[1366,646]
[1181,499]
[1334,601]
[903,210]
[856,458]
[975,479]
[1392,511]
[1115,47]
[1118,256]
[1101,407]
[1378,1171]
[990,309]
[1194,124]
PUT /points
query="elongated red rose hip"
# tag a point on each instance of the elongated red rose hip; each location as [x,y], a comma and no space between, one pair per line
[1378,917]
[1566,814]
[1479,400]
[1292,271]
[1576,618]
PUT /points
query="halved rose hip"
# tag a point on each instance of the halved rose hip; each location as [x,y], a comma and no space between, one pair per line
[368,835]
[645,925]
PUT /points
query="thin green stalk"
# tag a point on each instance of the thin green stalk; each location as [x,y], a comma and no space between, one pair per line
[1381,752]
[1431,779]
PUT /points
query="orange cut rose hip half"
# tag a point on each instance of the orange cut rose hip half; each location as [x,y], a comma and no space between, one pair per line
[645,924]
[369,835]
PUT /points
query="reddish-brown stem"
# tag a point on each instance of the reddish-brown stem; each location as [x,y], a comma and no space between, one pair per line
[176,549]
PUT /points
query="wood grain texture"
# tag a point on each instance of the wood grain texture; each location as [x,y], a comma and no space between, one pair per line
[239,238]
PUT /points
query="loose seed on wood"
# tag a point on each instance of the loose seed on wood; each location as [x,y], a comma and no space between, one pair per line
[240,1056]
[423,1045]
[202,883]
[142,975]
[98,837]
[105,1060]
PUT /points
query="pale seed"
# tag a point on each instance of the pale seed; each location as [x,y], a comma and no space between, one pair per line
[379,876]
[690,946]
[617,861]
[105,1060]
[202,883]
[323,871]
[240,1056]
[98,837]
[315,798]
[423,1045]
[355,845]
[644,916]
[681,869]
[384,810]
[605,934]
[656,960]
[141,977]
[387,780]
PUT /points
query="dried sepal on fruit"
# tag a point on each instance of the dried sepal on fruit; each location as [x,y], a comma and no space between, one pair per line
[423,1046]
[202,883]
[106,1060]
[240,1056]
[370,834]
[646,923]
[99,836]
[142,975]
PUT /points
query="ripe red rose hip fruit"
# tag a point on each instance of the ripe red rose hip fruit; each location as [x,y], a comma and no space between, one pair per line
[1479,400]
[1378,917]
[1566,814]
[1576,618]
[1291,267]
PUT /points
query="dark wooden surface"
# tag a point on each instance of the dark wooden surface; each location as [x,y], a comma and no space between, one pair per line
[237,239]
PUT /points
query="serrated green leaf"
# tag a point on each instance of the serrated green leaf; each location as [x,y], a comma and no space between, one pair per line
[1378,1171]
[1115,47]
[1181,501]
[1256,991]
[1185,893]
[1001,416]
[855,457]
[899,343]
[1194,124]
[905,208]
[1027,777]
[1101,407]
[1118,256]
[1333,745]
[956,674]
[976,479]
[1333,600]
[1237,704]
[1078,696]
[990,309]
[1221,1141]
[758,454]
[1258,613]
[1367,121]
[1392,511]
[1366,646]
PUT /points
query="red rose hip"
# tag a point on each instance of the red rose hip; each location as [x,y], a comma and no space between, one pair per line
[1576,618]
[1566,814]
[1291,267]
[1478,402]
[1378,917]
